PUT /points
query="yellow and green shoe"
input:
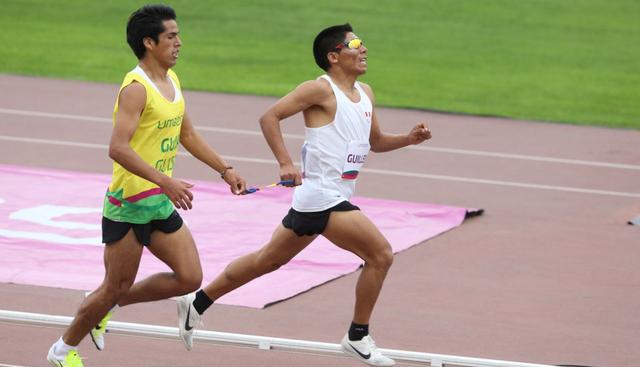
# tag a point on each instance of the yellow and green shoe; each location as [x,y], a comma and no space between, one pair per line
[97,333]
[71,360]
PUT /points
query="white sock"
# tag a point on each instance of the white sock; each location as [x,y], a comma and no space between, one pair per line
[61,349]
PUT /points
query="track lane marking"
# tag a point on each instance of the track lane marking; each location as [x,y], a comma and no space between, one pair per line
[479,153]
[369,170]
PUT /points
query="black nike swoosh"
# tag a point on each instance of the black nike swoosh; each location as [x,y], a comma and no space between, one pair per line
[365,356]
[186,322]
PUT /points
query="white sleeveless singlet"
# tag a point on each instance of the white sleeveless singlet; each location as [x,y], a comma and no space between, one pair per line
[333,154]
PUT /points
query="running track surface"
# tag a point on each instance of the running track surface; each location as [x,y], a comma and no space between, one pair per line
[547,275]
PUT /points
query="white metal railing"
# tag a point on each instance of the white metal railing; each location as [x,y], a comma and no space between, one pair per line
[265,342]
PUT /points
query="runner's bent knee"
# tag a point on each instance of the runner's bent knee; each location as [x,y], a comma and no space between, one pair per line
[190,280]
[114,291]
[382,259]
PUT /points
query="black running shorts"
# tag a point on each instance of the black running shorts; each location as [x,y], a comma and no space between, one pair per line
[113,231]
[311,223]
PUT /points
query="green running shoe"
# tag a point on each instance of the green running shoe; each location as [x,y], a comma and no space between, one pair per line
[71,360]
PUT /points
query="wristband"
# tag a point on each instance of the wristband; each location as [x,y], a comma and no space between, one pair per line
[225,171]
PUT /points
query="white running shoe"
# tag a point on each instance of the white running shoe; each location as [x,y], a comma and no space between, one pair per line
[188,319]
[72,359]
[97,333]
[366,351]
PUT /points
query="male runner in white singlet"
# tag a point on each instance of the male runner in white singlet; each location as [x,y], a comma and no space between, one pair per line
[341,128]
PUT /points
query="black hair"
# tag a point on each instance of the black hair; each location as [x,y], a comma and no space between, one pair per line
[147,22]
[326,41]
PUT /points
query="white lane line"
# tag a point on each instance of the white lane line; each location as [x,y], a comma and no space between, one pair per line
[527,157]
[503,183]
[109,121]
[479,153]
[105,147]
[370,170]
[10,111]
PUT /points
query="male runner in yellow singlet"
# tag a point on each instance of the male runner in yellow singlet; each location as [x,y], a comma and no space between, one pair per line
[139,207]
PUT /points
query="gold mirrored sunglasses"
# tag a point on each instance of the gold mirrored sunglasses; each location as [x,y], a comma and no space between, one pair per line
[353,44]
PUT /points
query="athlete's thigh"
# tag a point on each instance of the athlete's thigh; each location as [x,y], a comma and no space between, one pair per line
[122,259]
[176,249]
[284,245]
[353,231]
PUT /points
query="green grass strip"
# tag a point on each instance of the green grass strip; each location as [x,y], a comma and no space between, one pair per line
[567,61]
